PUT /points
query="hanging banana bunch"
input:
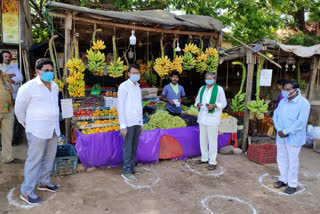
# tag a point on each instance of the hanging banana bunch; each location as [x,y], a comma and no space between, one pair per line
[202,59]
[96,59]
[150,75]
[115,69]
[76,84]
[258,106]
[189,61]
[213,59]
[162,64]
[143,70]
[238,102]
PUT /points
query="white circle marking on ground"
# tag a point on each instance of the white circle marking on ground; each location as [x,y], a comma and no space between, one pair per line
[13,202]
[201,173]
[204,202]
[302,188]
[143,186]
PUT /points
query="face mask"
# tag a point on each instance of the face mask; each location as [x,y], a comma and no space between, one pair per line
[135,77]
[47,76]
[285,94]
[210,82]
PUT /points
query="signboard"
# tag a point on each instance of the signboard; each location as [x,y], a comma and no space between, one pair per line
[66,108]
[10,21]
[265,77]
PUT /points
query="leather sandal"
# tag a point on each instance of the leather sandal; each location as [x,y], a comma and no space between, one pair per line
[290,190]
[212,167]
[279,184]
[201,162]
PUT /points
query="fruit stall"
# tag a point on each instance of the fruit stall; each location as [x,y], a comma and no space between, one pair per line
[160,42]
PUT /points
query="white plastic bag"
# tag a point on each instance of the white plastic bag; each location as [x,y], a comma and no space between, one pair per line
[312,133]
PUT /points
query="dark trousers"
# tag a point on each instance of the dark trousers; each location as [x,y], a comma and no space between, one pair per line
[130,147]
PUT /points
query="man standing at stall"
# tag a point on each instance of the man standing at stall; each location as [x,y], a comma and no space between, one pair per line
[6,118]
[12,70]
[131,122]
[37,110]
[211,100]
[290,120]
[173,94]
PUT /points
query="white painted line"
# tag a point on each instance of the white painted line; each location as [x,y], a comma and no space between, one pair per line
[23,205]
[204,202]
[302,188]
[206,174]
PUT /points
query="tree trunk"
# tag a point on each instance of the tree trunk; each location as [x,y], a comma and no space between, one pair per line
[300,20]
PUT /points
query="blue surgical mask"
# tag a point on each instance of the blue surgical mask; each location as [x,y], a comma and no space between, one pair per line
[210,82]
[285,94]
[47,76]
[135,77]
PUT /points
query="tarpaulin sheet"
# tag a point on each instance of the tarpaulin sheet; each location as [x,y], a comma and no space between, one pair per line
[105,149]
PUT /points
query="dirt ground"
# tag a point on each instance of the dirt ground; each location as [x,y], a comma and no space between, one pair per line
[170,187]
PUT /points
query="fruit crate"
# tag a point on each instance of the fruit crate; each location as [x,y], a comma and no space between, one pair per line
[66,161]
[262,154]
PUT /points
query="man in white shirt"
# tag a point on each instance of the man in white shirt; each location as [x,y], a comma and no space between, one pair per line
[12,70]
[131,122]
[37,110]
[210,101]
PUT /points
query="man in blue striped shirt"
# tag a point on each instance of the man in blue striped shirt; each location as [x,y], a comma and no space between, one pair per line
[290,120]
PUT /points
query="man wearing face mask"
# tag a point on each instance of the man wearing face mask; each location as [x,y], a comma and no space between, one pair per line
[290,120]
[37,110]
[211,100]
[131,122]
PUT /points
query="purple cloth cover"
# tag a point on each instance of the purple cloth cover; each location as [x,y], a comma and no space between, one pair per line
[105,149]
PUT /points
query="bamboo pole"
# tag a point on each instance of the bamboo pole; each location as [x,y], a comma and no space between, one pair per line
[247,46]
[67,46]
[135,27]
[251,60]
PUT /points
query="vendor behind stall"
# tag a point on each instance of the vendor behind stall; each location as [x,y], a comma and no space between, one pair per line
[173,94]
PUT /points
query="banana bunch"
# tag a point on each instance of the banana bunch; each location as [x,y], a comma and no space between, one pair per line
[189,62]
[238,102]
[77,88]
[60,83]
[76,84]
[115,69]
[96,58]
[202,63]
[143,70]
[162,66]
[258,106]
[98,45]
[224,116]
[177,64]
[212,63]
[191,48]
[211,52]
[150,75]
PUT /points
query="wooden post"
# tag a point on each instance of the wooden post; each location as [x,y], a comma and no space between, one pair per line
[67,30]
[316,62]
[251,60]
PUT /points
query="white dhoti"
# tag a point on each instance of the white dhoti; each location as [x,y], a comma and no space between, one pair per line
[209,135]
[288,163]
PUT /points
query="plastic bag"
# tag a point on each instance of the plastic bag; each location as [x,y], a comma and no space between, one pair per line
[169,148]
[313,132]
[96,89]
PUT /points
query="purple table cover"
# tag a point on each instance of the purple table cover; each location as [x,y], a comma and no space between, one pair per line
[105,149]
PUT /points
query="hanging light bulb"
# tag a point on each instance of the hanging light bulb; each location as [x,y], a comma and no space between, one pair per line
[238,73]
[130,54]
[178,49]
[287,66]
[293,67]
[133,39]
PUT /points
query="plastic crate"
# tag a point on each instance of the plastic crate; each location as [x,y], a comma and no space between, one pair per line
[262,154]
[66,161]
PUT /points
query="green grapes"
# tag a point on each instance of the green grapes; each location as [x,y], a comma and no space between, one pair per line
[163,120]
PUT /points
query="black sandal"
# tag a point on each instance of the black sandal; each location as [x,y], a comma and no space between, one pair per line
[279,184]
[201,162]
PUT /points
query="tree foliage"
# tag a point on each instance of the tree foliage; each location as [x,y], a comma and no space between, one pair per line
[248,20]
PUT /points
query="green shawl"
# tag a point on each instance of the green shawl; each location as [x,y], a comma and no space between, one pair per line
[213,98]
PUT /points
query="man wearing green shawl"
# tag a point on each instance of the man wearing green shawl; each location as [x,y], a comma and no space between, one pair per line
[210,101]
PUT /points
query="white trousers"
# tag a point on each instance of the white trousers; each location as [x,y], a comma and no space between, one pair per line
[288,163]
[209,135]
